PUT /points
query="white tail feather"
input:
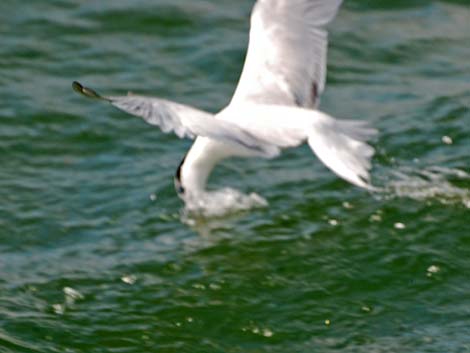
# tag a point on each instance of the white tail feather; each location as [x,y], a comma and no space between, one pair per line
[341,146]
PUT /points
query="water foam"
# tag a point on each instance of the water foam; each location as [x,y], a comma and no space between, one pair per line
[432,183]
[222,202]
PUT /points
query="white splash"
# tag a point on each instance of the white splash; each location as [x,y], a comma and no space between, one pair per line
[432,183]
[222,202]
[129,279]
[70,297]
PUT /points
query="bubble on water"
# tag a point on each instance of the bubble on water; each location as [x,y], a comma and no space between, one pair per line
[333,222]
[199,286]
[129,279]
[366,309]
[59,309]
[428,339]
[267,333]
[215,286]
[190,222]
[153,197]
[447,140]
[72,295]
[399,225]
[347,205]
[327,322]
[260,331]
[433,269]
[375,218]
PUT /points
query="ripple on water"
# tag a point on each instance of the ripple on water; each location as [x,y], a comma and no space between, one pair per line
[13,344]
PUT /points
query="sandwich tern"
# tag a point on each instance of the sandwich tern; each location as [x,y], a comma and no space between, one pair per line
[274,105]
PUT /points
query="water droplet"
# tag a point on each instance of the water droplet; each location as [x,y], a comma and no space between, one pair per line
[215,286]
[129,279]
[327,322]
[347,205]
[191,222]
[447,140]
[375,218]
[72,295]
[399,225]
[267,333]
[59,309]
[153,197]
[199,286]
[333,222]
[433,269]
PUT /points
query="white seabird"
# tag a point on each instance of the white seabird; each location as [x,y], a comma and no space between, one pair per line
[274,105]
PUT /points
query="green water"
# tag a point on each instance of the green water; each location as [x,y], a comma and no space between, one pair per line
[94,253]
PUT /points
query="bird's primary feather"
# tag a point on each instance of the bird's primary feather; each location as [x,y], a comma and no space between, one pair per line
[286,58]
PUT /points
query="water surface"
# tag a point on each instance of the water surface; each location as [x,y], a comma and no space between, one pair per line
[96,256]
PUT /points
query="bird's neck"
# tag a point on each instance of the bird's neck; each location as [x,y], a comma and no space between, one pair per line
[197,166]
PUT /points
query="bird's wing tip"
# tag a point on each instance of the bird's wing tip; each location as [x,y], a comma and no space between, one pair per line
[87,92]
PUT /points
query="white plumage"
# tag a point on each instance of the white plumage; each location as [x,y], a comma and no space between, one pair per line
[287,52]
[274,105]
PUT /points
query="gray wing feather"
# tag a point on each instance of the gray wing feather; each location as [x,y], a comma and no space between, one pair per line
[190,122]
[183,120]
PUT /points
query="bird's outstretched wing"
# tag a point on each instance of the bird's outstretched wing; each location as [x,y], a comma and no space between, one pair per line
[183,120]
[286,58]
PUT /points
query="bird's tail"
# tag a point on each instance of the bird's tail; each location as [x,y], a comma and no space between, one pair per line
[341,146]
